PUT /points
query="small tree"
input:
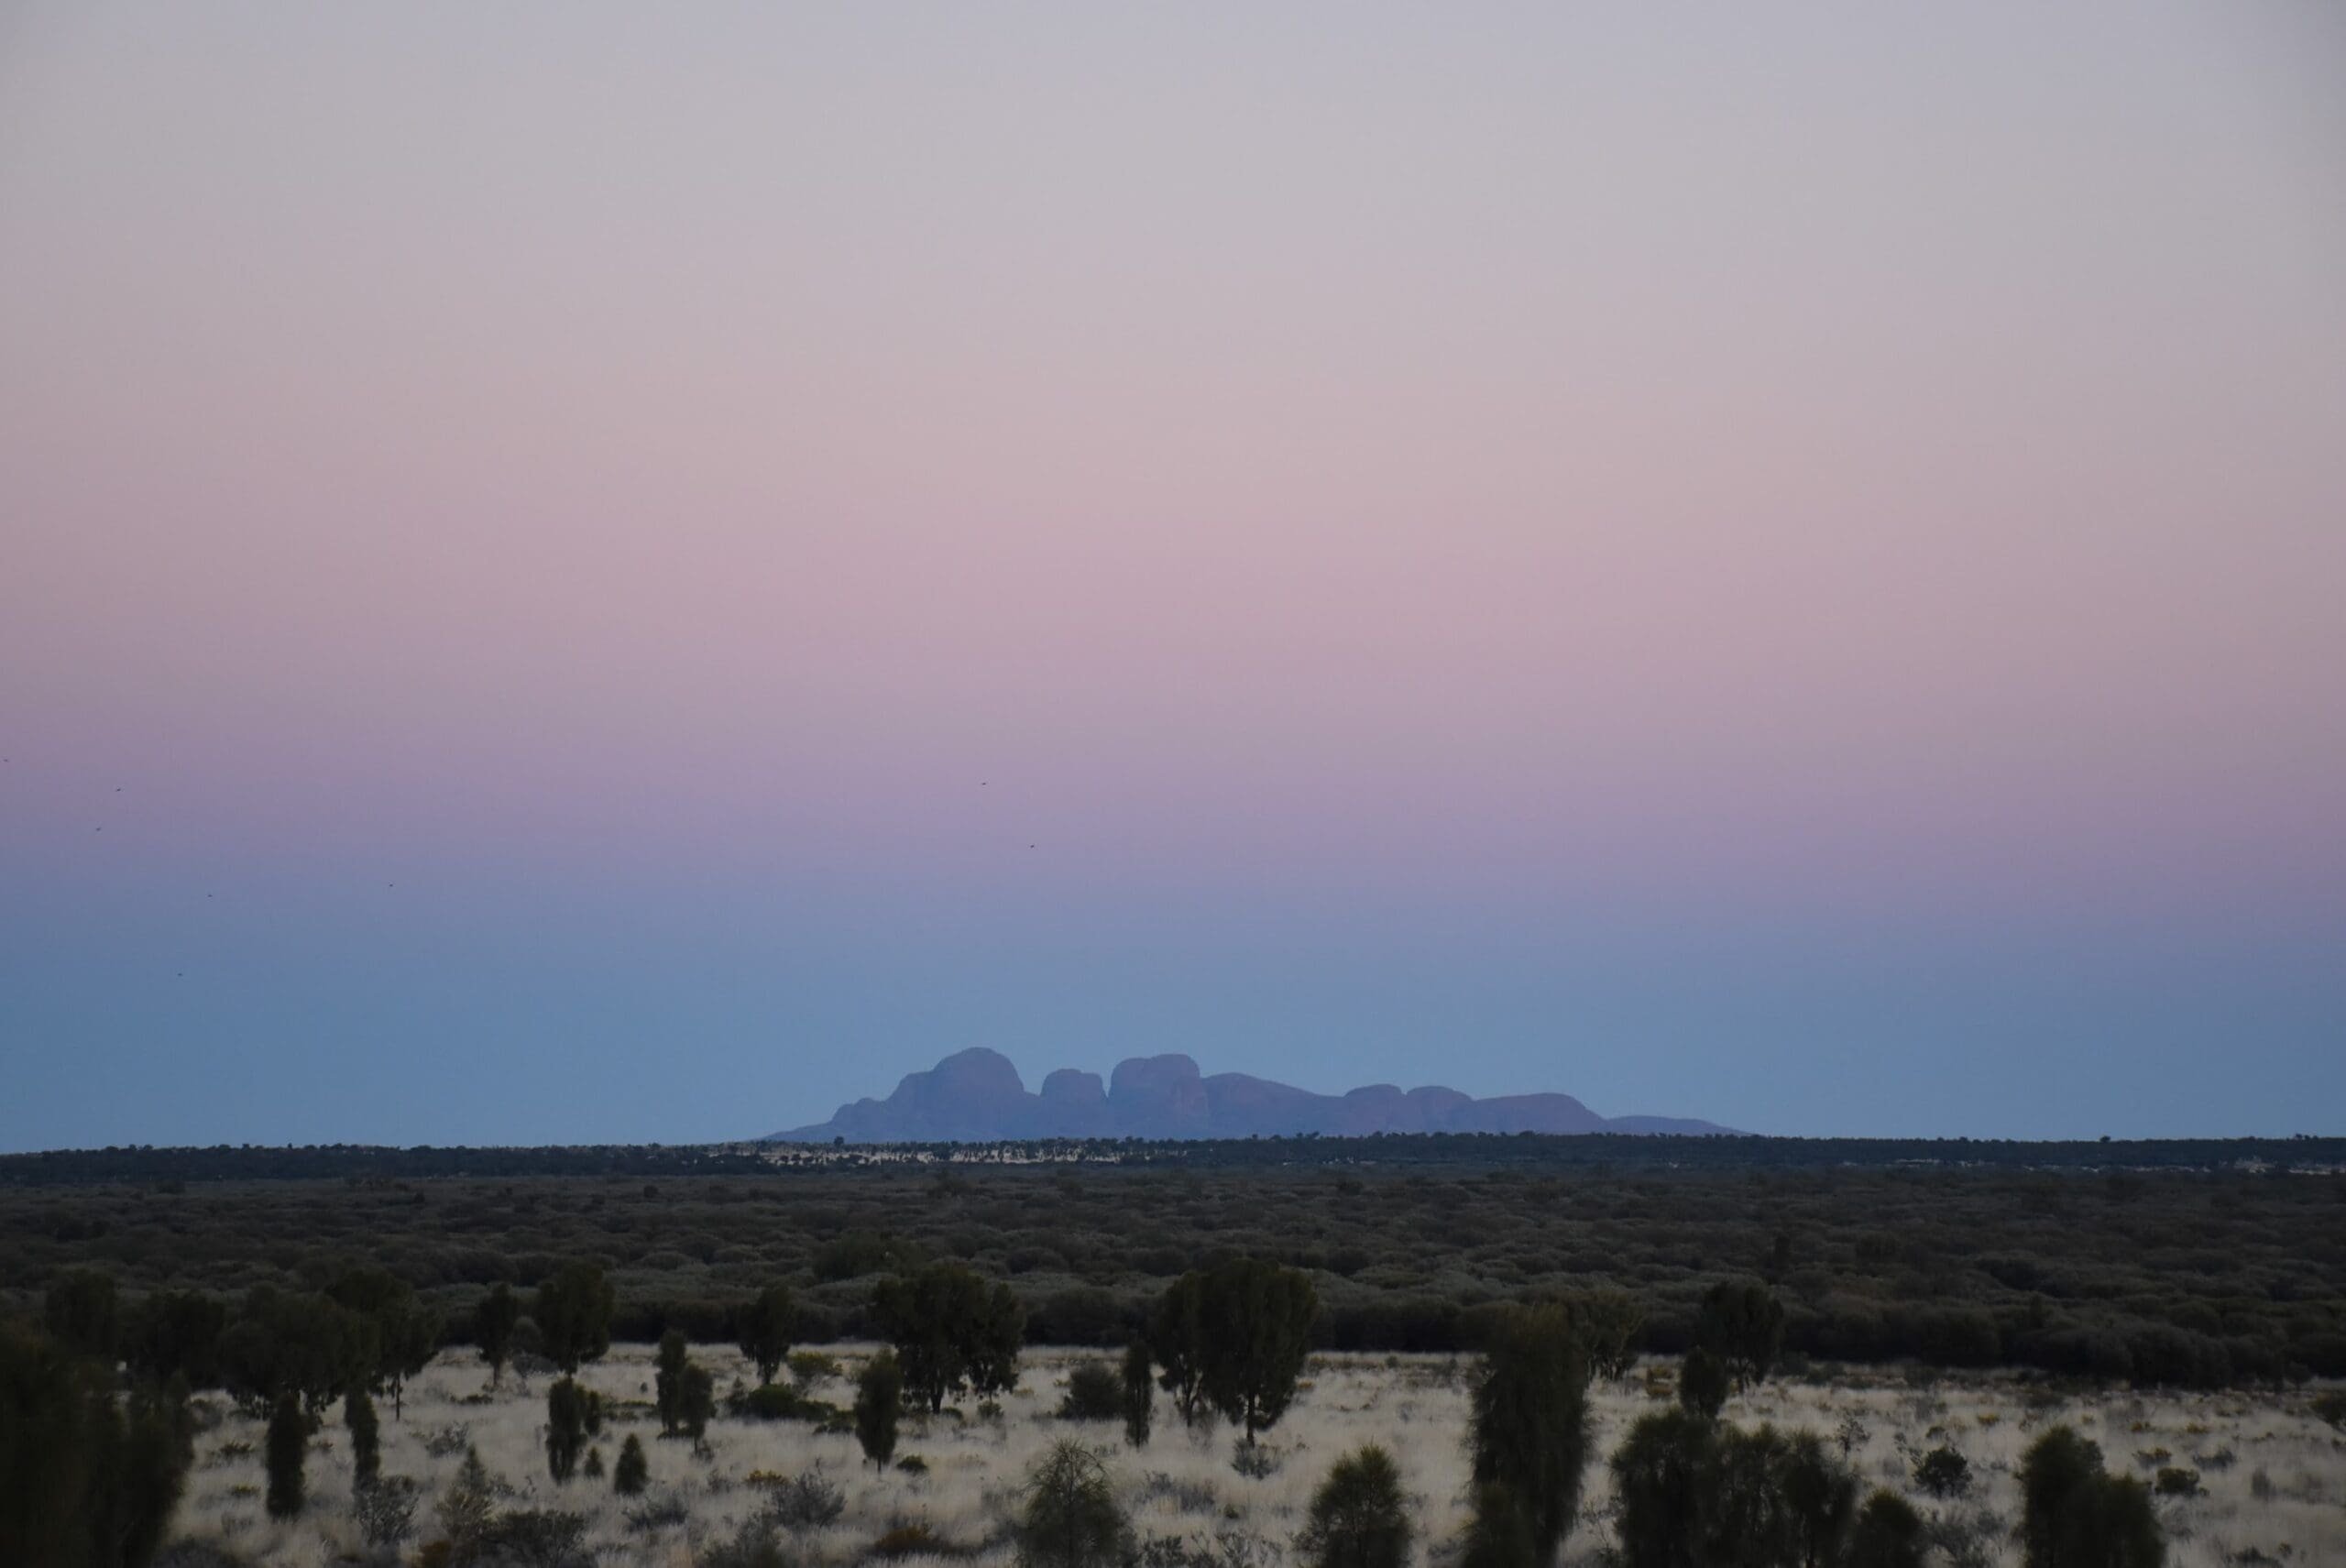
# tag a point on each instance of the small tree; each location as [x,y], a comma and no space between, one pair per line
[810,1369]
[763,1329]
[697,1401]
[1139,1401]
[951,1332]
[1358,1518]
[1095,1392]
[1943,1472]
[289,1441]
[566,1428]
[1529,1436]
[1888,1534]
[879,1397]
[1498,1535]
[573,1310]
[1742,1323]
[84,1313]
[668,1382]
[2075,1514]
[1609,1324]
[88,1479]
[1177,1340]
[632,1473]
[493,1324]
[1256,1320]
[467,1509]
[1071,1518]
[1660,1472]
[366,1437]
[1702,1383]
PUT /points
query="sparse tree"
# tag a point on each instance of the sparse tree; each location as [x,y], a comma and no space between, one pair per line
[1659,1474]
[879,1397]
[83,1314]
[1358,1518]
[668,1381]
[1177,1339]
[1702,1383]
[633,1472]
[1139,1401]
[289,1441]
[1609,1324]
[1742,1323]
[406,1334]
[566,1428]
[572,1311]
[87,1479]
[493,1325]
[176,1334]
[2075,1514]
[366,1437]
[1095,1392]
[1889,1534]
[951,1332]
[1257,1320]
[1943,1472]
[697,1401]
[1498,1535]
[1529,1436]
[764,1328]
[467,1509]
[1071,1518]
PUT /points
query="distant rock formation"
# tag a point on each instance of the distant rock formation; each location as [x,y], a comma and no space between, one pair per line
[977,1096]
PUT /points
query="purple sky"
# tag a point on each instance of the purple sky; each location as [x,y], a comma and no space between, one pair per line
[1781,564]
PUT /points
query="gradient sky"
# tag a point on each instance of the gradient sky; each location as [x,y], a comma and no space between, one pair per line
[583,572]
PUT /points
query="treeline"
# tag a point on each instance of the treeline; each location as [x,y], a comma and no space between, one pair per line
[2180,1278]
[144,1163]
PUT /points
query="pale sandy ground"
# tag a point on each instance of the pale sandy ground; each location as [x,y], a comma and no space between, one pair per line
[1183,1483]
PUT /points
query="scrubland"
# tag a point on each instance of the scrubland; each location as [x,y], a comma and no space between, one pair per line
[2271,1477]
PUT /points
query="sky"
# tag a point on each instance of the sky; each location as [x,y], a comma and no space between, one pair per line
[582,573]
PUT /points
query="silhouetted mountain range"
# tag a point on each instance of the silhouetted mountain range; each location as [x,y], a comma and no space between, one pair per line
[977,1096]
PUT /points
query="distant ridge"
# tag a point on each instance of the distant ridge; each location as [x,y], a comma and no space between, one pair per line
[977,1096]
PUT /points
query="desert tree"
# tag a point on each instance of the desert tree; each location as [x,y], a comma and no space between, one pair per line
[88,1479]
[1257,1318]
[1609,1324]
[406,1332]
[632,1472]
[283,1341]
[572,1311]
[1070,1518]
[1095,1392]
[1702,1383]
[1528,1436]
[1176,1336]
[1139,1394]
[2075,1514]
[1497,1533]
[288,1449]
[1660,1472]
[668,1370]
[763,1330]
[366,1436]
[1742,1323]
[1358,1518]
[951,1332]
[566,1428]
[176,1334]
[1889,1534]
[83,1314]
[493,1324]
[879,1398]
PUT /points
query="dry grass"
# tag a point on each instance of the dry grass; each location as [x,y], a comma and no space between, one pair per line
[1183,1483]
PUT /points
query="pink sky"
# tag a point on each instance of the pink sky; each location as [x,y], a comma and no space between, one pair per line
[1748,470]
